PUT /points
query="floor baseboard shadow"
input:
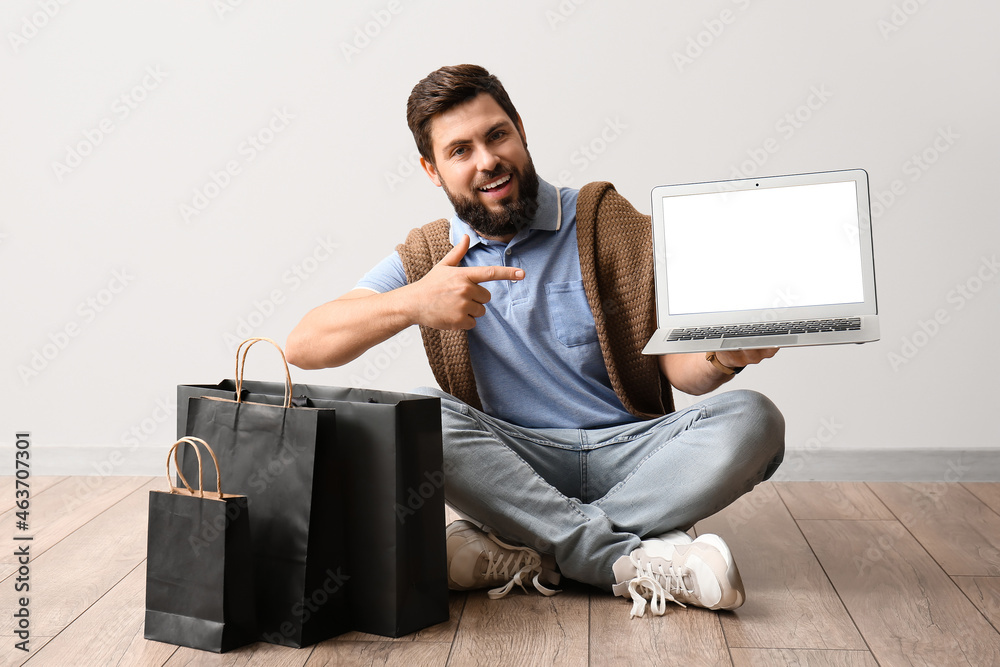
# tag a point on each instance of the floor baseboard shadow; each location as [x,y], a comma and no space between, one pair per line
[801,465]
[890,465]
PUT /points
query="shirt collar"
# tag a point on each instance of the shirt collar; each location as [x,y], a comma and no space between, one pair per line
[548,217]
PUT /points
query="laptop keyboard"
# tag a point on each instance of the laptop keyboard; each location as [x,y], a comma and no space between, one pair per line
[766,329]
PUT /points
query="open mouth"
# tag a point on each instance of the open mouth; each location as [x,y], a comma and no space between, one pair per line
[496,186]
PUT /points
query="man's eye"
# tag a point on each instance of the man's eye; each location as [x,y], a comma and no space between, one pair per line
[458,152]
[499,134]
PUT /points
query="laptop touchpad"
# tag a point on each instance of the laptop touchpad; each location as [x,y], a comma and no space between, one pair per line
[771,341]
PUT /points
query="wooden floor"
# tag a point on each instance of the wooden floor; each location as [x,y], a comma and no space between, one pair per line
[836,574]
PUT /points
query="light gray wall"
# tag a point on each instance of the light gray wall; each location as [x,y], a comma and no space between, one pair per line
[114,293]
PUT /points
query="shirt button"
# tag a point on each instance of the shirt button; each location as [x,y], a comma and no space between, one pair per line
[508,252]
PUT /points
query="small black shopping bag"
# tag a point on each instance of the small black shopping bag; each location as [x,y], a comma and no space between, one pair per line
[286,460]
[199,573]
[388,447]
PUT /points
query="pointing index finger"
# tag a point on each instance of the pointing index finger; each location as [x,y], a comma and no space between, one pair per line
[484,274]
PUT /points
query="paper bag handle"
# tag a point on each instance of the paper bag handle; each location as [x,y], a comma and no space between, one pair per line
[194,442]
[241,362]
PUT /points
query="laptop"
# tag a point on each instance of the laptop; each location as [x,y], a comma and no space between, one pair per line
[777,261]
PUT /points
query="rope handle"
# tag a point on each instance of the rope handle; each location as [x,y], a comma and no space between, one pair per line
[177,466]
[241,363]
[194,442]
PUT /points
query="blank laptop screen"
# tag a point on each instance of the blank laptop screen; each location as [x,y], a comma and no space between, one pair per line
[758,249]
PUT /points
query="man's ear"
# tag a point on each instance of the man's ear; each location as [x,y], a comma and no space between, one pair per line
[430,170]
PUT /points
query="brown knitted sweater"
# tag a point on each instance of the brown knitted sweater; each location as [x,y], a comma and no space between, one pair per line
[616,260]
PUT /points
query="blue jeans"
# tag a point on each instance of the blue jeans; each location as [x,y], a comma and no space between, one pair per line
[589,496]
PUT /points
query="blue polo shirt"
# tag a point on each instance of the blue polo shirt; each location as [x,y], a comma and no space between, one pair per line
[535,352]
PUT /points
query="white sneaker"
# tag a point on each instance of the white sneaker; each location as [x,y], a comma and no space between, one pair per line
[477,559]
[678,537]
[674,568]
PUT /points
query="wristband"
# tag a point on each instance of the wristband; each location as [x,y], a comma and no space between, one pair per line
[710,356]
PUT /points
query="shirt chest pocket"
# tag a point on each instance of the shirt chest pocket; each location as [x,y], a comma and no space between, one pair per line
[572,321]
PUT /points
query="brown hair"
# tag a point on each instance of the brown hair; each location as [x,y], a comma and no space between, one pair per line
[445,88]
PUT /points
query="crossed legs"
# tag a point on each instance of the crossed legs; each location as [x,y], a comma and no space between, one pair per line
[590,496]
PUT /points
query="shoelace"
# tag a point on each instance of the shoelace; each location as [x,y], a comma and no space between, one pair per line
[526,563]
[659,593]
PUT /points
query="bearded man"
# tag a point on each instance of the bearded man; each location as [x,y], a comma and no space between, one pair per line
[563,448]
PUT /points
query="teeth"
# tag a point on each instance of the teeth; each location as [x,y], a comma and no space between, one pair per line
[497,183]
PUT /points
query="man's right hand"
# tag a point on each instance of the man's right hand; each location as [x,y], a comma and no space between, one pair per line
[450,296]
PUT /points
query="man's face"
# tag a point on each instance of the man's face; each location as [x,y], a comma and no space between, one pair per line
[482,162]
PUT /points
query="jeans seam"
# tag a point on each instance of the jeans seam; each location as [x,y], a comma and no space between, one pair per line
[521,436]
[491,435]
[629,438]
[702,413]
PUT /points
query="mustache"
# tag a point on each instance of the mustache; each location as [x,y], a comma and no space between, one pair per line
[493,175]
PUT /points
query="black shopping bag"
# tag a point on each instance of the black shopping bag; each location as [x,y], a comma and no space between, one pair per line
[390,445]
[285,459]
[199,573]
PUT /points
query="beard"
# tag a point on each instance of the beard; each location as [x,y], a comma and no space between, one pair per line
[515,212]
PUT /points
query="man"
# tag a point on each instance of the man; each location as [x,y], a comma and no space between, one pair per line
[561,442]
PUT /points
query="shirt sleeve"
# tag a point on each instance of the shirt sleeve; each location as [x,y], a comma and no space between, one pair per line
[386,276]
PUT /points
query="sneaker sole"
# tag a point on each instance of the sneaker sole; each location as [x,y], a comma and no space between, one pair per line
[732,572]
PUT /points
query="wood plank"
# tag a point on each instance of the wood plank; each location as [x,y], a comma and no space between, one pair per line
[442,632]
[68,578]
[931,620]
[253,655]
[445,632]
[36,485]
[694,636]
[524,629]
[832,500]
[391,654]
[786,657]
[984,592]
[953,525]
[790,603]
[11,656]
[988,492]
[110,631]
[64,508]
[907,608]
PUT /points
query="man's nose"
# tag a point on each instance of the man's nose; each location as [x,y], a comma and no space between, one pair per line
[487,161]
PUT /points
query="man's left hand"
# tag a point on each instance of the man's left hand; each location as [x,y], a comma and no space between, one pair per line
[738,358]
